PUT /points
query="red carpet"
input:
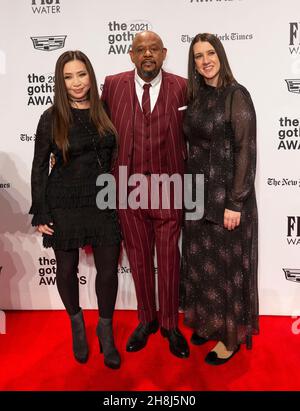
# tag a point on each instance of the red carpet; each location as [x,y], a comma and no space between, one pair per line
[35,354]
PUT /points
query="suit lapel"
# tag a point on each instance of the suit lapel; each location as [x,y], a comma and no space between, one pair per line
[129,96]
[127,102]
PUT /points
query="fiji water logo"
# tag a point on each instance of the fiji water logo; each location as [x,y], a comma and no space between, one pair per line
[45,6]
[293,230]
[294,43]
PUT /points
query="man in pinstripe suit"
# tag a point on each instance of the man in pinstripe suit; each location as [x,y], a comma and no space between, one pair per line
[143,105]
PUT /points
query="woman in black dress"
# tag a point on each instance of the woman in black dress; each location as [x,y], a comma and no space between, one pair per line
[219,252]
[78,132]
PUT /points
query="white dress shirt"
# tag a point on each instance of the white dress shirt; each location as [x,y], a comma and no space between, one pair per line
[154,89]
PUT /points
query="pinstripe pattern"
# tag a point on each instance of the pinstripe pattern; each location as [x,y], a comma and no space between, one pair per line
[150,146]
[163,151]
[141,228]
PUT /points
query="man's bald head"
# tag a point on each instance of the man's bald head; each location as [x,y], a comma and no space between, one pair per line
[147,35]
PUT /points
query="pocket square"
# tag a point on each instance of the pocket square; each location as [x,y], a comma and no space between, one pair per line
[182,108]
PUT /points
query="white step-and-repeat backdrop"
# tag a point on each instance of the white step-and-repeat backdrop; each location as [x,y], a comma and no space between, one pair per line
[262,40]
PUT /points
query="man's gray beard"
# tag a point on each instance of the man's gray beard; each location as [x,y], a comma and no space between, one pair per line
[150,74]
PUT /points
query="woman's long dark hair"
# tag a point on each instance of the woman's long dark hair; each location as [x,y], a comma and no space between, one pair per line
[195,80]
[62,114]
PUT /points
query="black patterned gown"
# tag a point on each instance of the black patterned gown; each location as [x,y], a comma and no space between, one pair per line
[219,267]
[67,196]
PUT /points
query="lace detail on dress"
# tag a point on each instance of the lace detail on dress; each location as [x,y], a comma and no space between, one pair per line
[218,288]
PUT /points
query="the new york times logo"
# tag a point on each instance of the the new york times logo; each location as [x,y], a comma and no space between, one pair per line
[186,38]
[126,270]
[283,182]
[4,185]
[294,45]
[27,137]
[45,6]
[293,230]
[48,43]
[47,272]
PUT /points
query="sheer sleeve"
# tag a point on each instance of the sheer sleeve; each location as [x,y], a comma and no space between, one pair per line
[243,123]
[40,171]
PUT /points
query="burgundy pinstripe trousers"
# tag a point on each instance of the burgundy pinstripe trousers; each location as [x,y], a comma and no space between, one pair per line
[142,230]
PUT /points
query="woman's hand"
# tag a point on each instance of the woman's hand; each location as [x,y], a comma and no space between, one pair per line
[45,229]
[232,219]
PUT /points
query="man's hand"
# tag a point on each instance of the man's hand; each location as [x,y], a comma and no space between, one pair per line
[232,219]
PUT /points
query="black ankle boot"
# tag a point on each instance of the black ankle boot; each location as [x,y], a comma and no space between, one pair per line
[80,346]
[106,342]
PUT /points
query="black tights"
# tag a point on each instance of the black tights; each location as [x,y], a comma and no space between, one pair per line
[106,262]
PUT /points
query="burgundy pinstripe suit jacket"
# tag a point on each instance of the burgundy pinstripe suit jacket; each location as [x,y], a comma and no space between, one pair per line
[119,96]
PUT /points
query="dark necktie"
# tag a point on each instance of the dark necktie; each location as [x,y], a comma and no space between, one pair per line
[146,100]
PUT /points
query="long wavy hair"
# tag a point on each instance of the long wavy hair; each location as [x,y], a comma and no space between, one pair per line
[62,115]
[195,80]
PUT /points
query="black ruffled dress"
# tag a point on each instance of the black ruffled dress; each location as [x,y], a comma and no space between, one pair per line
[66,194]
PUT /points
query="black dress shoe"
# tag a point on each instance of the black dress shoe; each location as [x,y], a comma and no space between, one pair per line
[177,343]
[197,340]
[213,359]
[140,335]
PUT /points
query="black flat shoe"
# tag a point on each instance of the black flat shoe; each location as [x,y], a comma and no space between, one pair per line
[213,359]
[138,339]
[197,340]
[177,343]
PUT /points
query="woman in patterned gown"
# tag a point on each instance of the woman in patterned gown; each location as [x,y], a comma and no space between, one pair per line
[78,132]
[219,252]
